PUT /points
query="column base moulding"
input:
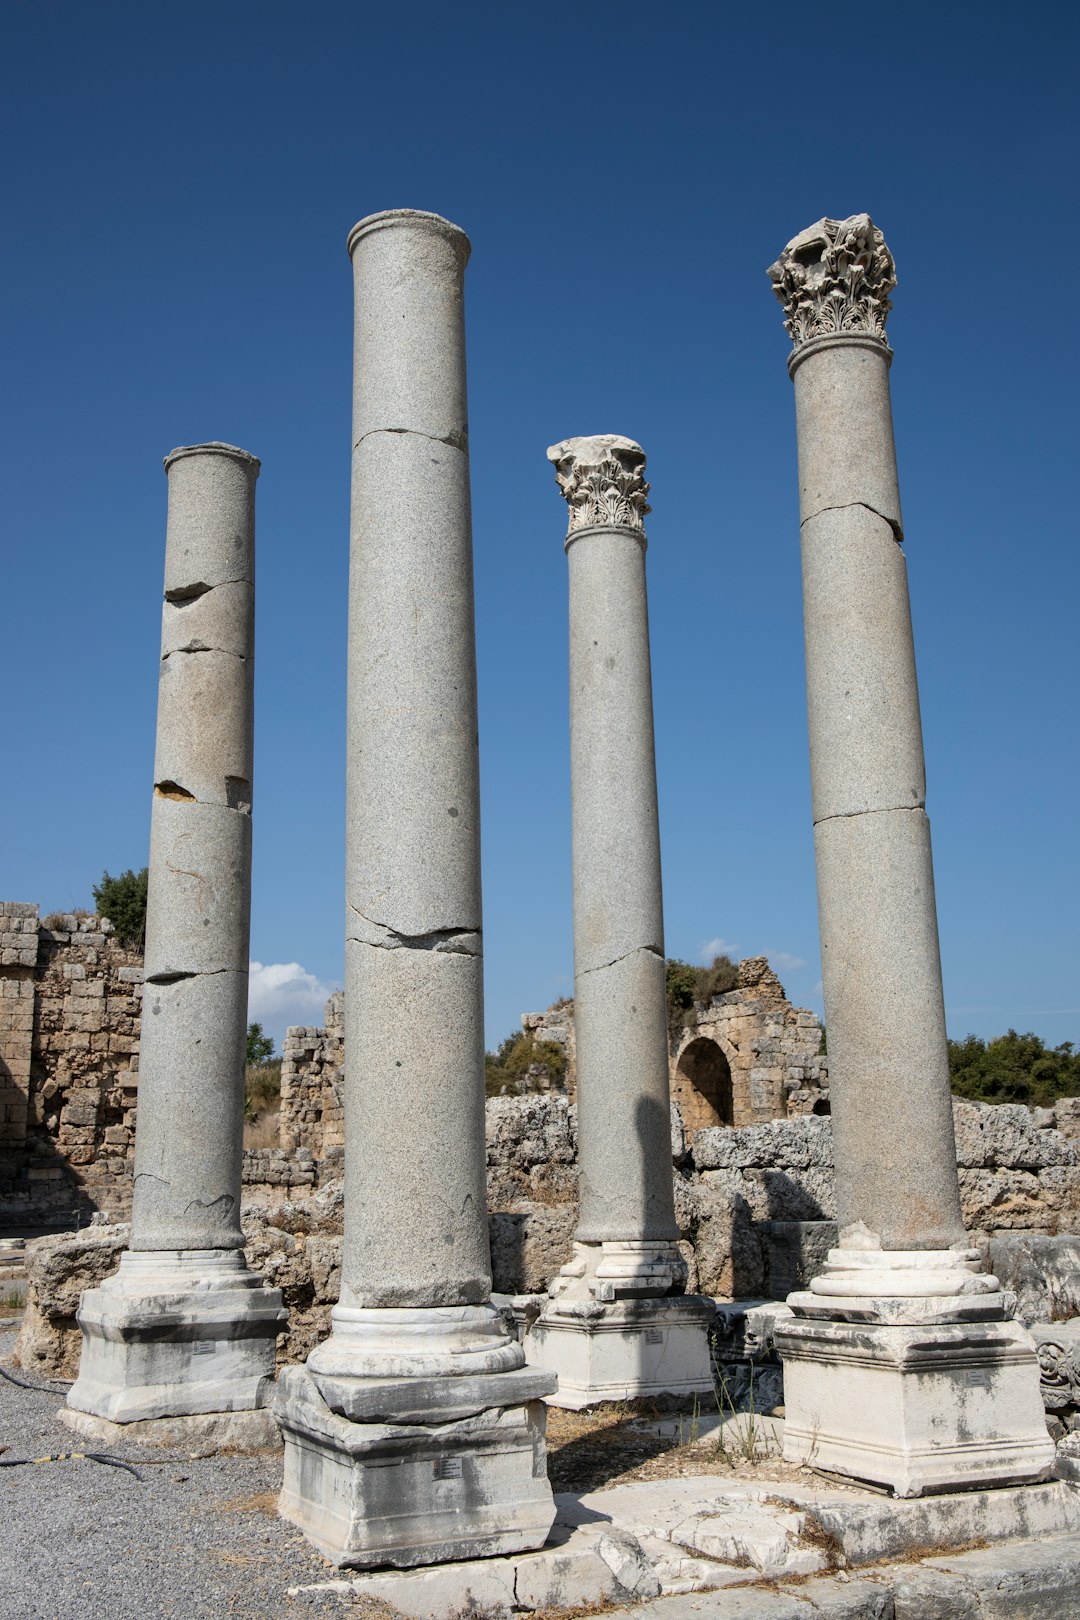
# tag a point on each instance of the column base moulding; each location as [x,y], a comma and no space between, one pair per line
[177,1333]
[416,1470]
[624,1350]
[935,1407]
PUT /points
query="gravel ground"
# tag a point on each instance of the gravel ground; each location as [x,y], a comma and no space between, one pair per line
[193,1539]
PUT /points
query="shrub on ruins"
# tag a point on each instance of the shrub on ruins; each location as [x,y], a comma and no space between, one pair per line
[689,986]
[123,901]
[521,1064]
[262,1075]
[1014,1068]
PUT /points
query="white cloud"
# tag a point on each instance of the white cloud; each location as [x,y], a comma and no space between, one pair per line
[284,993]
[717,947]
[784,960]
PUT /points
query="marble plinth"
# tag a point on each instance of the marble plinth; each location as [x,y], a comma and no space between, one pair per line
[177,1332]
[623,1350]
[935,1407]
[382,1488]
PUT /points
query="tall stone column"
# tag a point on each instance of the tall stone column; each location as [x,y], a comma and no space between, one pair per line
[184,1327]
[618,1323]
[901,1365]
[419,1370]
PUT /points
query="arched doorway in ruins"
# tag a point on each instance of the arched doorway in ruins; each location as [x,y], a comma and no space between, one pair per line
[702,1086]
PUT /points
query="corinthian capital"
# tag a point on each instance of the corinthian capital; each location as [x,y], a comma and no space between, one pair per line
[603,481]
[835,277]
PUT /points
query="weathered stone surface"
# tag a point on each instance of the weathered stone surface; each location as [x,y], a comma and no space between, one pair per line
[1007,1136]
[531,1149]
[528,1246]
[783,1144]
[888,1063]
[403,1494]
[941,1407]
[176,1332]
[1043,1272]
[730,1264]
[230,1432]
[58,1269]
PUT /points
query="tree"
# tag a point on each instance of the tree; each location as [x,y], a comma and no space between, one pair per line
[260,1047]
[1014,1068]
[123,901]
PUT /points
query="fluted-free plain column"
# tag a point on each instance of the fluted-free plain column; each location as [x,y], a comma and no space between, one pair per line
[903,1268]
[647,1339]
[415,1306]
[211,1346]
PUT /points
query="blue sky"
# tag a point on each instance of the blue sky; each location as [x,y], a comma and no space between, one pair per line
[180,184]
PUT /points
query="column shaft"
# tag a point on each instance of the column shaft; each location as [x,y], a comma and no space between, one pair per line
[415,1225]
[189,1138]
[620,1007]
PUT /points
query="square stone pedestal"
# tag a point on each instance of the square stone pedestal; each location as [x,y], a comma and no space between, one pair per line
[943,1406]
[174,1333]
[625,1349]
[416,1470]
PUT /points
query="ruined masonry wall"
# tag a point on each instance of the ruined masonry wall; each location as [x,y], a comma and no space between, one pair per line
[772,1048]
[312,1118]
[70,1008]
[70,996]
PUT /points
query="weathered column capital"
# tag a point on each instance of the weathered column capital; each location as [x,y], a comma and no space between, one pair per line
[834,280]
[603,480]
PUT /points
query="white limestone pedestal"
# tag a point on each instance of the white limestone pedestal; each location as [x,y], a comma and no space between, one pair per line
[903,1369]
[415,1436]
[613,1330]
[175,1333]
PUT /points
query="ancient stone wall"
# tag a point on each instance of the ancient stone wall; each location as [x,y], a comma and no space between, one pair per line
[312,1117]
[69,1029]
[747,1056]
[70,1006]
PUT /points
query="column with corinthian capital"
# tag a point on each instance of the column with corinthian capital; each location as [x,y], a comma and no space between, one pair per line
[901,1364]
[617,1323]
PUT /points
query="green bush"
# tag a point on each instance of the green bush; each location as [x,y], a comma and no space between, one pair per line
[1014,1068]
[262,1088]
[689,986]
[508,1069]
[123,901]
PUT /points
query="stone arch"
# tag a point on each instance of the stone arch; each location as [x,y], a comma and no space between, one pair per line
[701,1085]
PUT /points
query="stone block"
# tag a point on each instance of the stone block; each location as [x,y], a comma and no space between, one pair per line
[633,1348]
[1043,1272]
[786,1144]
[174,1333]
[1005,1136]
[794,1252]
[942,1407]
[529,1245]
[371,1494]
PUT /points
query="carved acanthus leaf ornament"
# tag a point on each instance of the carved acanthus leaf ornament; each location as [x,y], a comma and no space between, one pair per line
[603,481]
[835,277]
